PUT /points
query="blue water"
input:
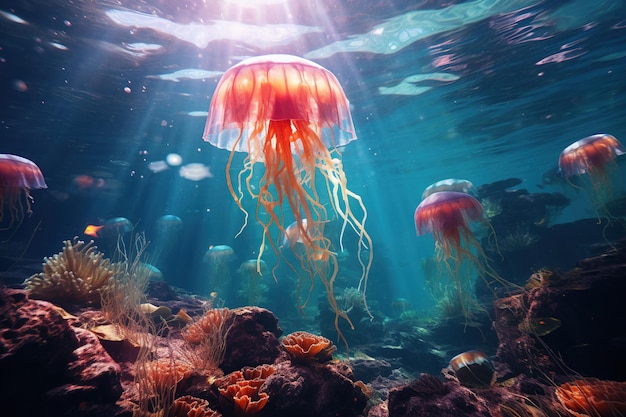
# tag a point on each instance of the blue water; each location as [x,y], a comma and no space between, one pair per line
[483,90]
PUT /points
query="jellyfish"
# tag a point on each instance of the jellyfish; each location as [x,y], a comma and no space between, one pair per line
[167,229]
[250,273]
[594,156]
[290,115]
[17,177]
[217,258]
[448,215]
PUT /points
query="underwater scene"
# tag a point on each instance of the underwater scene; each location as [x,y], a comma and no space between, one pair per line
[354,208]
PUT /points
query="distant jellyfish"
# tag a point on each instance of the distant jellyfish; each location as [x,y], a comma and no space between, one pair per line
[473,369]
[167,230]
[250,274]
[592,159]
[151,272]
[17,177]
[111,228]
[450,184]
[449,215]
[217,259]
[168,227]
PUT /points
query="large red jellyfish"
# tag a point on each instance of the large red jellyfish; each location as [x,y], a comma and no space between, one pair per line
[290,115]
[17,177]
[449,216]
[594,156]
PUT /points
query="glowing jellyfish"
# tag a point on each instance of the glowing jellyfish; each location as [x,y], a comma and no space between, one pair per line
[217,258]
[450,184]
[594,156]
[448,215]
[168,226]
[250,273]
[290,115]
[17,177]
[167,230]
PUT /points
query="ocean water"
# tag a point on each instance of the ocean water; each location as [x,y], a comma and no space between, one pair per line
[98,94]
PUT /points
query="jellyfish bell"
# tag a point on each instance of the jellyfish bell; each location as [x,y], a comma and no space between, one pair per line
[450,184]
[257,267]
[169,224]
[18,176]
[288,114]
[219,253]
[589,154]
[592,160]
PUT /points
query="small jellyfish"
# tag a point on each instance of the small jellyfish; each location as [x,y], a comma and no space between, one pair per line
[217,259]
[17,177]
[250,273]
[592,159]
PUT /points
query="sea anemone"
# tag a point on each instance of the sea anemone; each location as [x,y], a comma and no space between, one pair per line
[77,275]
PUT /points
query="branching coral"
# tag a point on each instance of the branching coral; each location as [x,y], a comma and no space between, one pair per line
[307,347]
[76,275]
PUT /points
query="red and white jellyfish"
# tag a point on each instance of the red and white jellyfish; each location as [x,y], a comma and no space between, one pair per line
[449,216]
[17,177]
[592,159]
[290,115]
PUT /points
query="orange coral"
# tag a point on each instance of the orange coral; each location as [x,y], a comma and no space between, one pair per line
[249,401]
[212,322]
[304,346]
[240,390]
[593,397]
[163,374]
[188,406]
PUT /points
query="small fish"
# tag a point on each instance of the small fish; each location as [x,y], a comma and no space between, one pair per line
[540,326]
[92,230]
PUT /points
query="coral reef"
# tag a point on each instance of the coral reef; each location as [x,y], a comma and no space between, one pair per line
[76,275]
[50,368]
[189,406]
[252,339]
[577,314]
[307,347]
[240,391]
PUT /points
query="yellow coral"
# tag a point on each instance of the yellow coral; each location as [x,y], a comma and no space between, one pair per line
[76,275]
